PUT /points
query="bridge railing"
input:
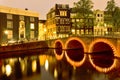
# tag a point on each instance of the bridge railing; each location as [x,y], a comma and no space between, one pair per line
[107,35]
[103,35]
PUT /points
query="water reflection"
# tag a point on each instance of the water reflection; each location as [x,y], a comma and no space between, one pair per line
[46,67]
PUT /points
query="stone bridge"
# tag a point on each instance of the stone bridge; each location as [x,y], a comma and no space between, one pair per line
[102,52]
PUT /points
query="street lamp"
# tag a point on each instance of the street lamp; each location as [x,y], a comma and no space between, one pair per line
[6,32]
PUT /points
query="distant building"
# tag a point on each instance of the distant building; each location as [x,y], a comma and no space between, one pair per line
[17,24]
[58,21]
[101,26]
[108,23]
[80,25]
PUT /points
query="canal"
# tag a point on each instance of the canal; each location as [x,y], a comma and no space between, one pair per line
[47,67]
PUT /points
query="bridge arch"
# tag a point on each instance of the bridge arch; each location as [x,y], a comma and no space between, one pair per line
[58,51]
[75,49]
[102,51]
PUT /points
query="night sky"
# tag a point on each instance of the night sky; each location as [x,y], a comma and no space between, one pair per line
[43,6]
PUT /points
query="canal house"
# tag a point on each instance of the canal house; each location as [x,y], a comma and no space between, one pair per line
[18,24]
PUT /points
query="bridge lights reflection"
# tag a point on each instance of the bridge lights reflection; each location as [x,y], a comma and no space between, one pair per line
[59,52]
[34,66]
[55,73]
[8,69]
[102,56]
[46,65]
[75,52]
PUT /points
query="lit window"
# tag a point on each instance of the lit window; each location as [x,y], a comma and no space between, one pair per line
[63,13]
[77,20]
[82,31]
[9,34]
[32,26]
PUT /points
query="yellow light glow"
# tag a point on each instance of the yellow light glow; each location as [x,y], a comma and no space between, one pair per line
[46,65]
[34,66]
[45,29]
[75,63]
[3,69]
[23,66]
[55,73]
[73,31]
[8,70]
[32,26]
[6,32]
[100,69]
[59,57]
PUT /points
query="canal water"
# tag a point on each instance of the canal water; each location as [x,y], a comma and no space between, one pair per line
[47,67]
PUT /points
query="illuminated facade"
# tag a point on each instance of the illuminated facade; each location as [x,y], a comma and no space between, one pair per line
[81,26]
[17,24]
[101,27]
[42,30]
[58,22]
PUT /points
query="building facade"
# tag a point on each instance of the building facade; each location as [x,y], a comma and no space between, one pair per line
[17,24]
[58,21]
[81,26]
[101,26]
[42,30]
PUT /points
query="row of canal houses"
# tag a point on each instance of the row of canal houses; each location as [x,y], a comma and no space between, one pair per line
[18,24]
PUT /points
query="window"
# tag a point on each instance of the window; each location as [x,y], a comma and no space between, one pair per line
[32,19]
[21,18]
[77,20]
[32,26]
[10,34]
[61,21]
[10,24]
[9,16]
[86,31]
[63,13]
[31,34]
[82,31]
[73,20]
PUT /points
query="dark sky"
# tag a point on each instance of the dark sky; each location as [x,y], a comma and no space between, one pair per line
[43,6]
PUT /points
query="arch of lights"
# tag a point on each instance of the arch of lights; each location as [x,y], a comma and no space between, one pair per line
[59,57]
[100,69]
[75,63]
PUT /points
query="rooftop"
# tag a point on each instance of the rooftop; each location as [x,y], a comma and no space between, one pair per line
[17,11]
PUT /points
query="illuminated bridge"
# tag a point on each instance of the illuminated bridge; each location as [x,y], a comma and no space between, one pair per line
[103,52]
